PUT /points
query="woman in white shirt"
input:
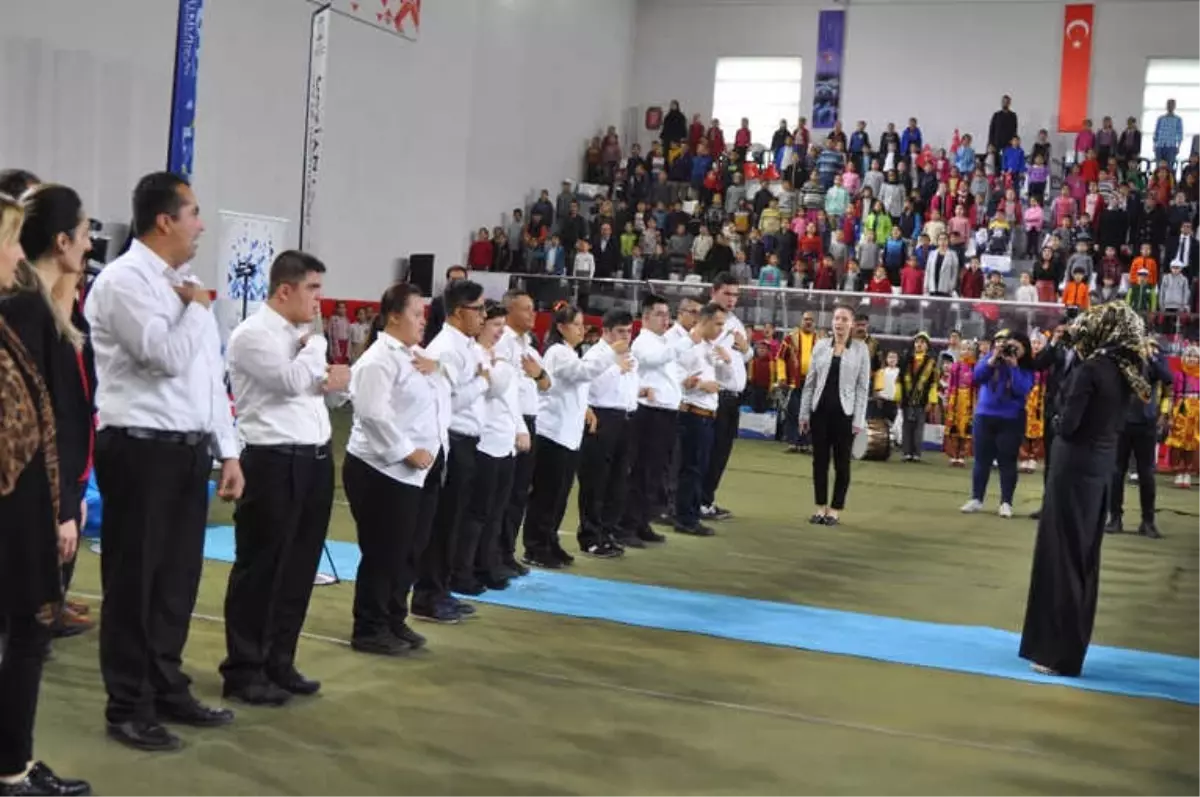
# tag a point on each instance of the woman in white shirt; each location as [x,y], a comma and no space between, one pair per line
[562,413]
[393,466]
[502,433]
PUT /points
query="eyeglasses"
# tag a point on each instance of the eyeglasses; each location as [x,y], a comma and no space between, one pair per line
[478,308]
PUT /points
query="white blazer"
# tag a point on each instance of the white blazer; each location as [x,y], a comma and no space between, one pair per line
[854,380]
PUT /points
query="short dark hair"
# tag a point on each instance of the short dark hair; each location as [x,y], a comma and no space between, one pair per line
[459,294]
[722,279]
[15,182]
[617,317]
[861,317]
[710,310]
[650,300]
[154,195]
[452,269]
[493,309]
[394,300]
[291,267]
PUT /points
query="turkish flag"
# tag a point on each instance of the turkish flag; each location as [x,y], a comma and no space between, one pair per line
[1076,79]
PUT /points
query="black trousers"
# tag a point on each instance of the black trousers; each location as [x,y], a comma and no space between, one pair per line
[664,503]
[152,553]
[393,520]
[279,528]
[445,538]
[1138,439]
[553,473]
[603,476]
[651,443]
[725,431]
[25,643]
[832,437]
[912,437]
[518,496]
[478,556]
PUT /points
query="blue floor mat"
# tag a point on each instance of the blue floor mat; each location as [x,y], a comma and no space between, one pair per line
[969,649]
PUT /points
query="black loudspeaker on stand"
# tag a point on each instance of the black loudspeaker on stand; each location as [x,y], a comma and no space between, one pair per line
[420,273]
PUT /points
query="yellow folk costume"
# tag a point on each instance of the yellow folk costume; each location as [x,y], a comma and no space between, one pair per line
[1184,439]
[1033,450]
[960,409]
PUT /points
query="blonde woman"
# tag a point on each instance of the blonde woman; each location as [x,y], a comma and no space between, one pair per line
[32,543]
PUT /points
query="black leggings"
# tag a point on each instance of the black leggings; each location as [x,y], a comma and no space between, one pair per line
[832,436]
[25,641]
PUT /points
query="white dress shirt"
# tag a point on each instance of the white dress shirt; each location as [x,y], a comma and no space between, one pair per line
[612,389]
[158,361]
[460,358]
[562,409]
[733,379]
[277,383]
[397,410]
[657,358]
[502,420]
[512,348]
[701,360]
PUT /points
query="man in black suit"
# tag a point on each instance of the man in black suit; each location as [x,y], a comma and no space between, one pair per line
[607,251]
[1056,360]
[1186,250]
[437,307]
[1004,125]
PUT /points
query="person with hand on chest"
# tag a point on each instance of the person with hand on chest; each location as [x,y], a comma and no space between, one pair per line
[280,383]
[733,338]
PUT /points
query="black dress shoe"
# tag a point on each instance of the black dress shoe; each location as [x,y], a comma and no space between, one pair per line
[465,587]
[1114,526]
[516,567]
[630,541]
[190,711]
[43,778]
[293,682]
[1150,531]
[651,536]
[383,643]
[257,693]
[496,582]
[406,634]
[563,556]
[699,530]
[544,561]
[143,735]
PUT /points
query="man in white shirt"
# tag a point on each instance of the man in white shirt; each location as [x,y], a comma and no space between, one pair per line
[163,415]
[686,314]
[462,364]
[516,348]
[704,368]
[280,380]
[654,433]
[604,453]
[725,290]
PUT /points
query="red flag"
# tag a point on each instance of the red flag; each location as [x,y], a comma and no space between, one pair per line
[1075,82]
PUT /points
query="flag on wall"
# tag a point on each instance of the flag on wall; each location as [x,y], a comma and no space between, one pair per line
[1076,79]
[248,245]
[314,123]
[181,146]
[401,17]
[827,82]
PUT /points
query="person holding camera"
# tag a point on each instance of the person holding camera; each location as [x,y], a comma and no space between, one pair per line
[1005,379]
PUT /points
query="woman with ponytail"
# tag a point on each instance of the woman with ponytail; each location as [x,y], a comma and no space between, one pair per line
[562,414]
[43,310]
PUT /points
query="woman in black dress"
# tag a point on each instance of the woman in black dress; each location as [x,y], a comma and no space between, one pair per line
[1090,413]
[32,544]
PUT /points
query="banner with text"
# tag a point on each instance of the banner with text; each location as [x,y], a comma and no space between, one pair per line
[827,82]
[314,124]
[248,245]
[182,144]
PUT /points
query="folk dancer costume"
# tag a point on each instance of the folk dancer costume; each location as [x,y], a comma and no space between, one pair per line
[918,393]
[961,393]
[1034,449]
[796,356]
[1184,438]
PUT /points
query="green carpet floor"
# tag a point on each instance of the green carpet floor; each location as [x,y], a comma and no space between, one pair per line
[524,703]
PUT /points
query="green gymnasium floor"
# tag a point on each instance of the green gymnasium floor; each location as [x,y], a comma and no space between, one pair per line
[517,702]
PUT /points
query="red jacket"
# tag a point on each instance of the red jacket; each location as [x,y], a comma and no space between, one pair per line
[742,137]
[716,141]
[695,135]
[811,247]
[912,281]
[825,280]
[479,257]
[971,284]
[1089,170]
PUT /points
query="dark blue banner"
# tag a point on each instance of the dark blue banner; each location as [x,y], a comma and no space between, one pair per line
[827,85]
[183,96]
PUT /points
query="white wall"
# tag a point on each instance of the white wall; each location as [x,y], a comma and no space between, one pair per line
[947,63]
[425,141]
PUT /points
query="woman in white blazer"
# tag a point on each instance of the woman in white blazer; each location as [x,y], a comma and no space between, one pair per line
[833,405]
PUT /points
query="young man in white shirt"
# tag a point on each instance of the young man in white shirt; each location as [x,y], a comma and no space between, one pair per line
[280,382]
[604,453]
[725,290]
[163,415]
[703,367]
[686,314]
[462,363]
[517,349]
[654,433]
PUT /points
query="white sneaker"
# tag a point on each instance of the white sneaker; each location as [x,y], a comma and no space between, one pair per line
[1006,510]
[1133,478]
[1178,479]
[1187,480]
[972,506]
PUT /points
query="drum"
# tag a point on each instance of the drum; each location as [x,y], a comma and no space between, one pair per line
[873,443]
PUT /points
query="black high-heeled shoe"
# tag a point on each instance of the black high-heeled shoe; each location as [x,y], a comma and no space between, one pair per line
[817,519]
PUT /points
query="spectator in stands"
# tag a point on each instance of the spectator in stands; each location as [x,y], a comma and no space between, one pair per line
[479,258]
[1175,294]
[1141,296]
[1185,251]
[910,137]
[1168,136]
[971,283]
[437,307]
[1003,127]
[941,269]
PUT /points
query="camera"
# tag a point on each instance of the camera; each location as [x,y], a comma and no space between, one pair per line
[1008,348]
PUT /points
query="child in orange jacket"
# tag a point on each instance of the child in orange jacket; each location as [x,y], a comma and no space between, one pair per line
[1077,293]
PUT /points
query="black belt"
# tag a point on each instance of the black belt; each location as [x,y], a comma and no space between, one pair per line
[298,450]
[163,436]
[725,394]
[613,411]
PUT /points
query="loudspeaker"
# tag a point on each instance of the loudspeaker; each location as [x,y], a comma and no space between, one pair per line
[420,273]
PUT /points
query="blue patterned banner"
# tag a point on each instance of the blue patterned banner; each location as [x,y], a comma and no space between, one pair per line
[183,96]
[827,86]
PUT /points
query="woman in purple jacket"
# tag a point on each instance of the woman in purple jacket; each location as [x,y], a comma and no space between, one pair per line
[1004,380]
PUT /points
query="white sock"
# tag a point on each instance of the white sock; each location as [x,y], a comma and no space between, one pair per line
[13,779]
